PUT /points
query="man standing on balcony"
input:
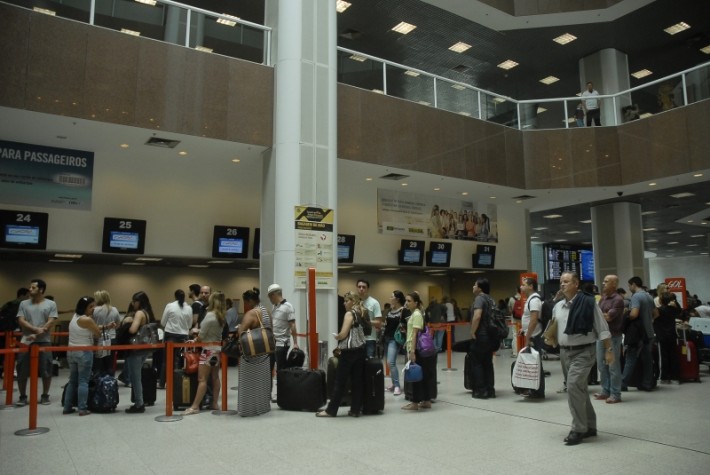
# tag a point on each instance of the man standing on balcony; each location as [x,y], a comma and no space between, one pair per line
[592,105]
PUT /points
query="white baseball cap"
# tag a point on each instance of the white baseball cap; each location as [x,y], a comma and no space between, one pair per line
[273,288]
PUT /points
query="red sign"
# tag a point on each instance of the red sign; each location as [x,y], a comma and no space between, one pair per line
[676,285]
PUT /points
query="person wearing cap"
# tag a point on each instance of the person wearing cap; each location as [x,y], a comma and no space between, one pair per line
[283,318]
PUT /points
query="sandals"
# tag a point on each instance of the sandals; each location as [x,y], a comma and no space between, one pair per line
[323,414]
[190,411]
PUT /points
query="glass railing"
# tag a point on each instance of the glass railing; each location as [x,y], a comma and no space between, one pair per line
[168,21]
[192,27]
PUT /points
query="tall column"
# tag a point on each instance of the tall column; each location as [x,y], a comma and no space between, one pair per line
[608,69]
[301,167]
[617,237]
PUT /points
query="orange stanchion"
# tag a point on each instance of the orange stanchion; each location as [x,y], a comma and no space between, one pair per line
[224,411]
[312,320]
[9,380]
[169,382]
[34,375]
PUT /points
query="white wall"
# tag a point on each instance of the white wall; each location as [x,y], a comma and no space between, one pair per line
[695,269]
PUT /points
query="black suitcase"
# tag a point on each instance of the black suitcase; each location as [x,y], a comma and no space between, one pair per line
[184,389]
[301,389]
[373,398]
[149,381]
[467,373]
[330,380]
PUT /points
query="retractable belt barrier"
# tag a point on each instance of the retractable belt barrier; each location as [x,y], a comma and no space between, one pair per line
[34,350]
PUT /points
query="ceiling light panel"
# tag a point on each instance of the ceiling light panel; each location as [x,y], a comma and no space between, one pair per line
[684,194]
[357,57]
[147,2]
[642,73]
[508,64]
[706,50]
[460,47]
[549,80]
[342,5]
[230,20]
[564,38]
[552,216]
[403,27]
[677,28]
[130,32]
[411,73]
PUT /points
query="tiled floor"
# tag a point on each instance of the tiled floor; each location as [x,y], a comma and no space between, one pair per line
[664,432]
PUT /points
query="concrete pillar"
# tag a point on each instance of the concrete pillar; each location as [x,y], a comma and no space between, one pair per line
[617,237]
[301,168]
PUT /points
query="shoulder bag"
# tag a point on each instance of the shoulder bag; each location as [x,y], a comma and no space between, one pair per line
[258,341]
[231,348]
[356,336]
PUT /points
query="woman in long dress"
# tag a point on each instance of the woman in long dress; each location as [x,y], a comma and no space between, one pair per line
[254,371]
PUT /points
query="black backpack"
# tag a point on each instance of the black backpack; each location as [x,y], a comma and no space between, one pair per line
[8,315]
[497,328]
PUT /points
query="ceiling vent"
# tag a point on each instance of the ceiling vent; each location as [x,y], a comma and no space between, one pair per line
[460,68]
[163,143]
[394,177]
[523,197]
[351,34]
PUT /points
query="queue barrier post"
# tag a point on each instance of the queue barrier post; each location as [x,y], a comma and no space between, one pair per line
[224,360]
[9,380]
[312,320]
[169,382]
[34,375]
[448,348]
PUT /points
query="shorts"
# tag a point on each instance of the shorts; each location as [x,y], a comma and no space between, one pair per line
[45,363]
[209,357]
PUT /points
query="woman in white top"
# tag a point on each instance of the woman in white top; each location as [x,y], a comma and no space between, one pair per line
[176,323]
[105,314]
[82,331]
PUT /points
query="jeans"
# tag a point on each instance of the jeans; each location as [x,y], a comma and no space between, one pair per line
[392,353]
[134,362]
[351,364]
[439,339]
[481,357]
[610,374]
[80,364]
[639,354]
[371,348]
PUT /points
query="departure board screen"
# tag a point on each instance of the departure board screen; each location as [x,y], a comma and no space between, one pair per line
[561,258]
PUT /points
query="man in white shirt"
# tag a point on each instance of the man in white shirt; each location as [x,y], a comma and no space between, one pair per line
[374,312]
[532,329]
[592,106]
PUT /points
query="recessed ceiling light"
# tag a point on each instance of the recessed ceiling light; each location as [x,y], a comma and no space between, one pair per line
[130,32]
[693,245]
[464,193]
[60,260]
[645,115]
[674,232]
[541,228]
[149,259]
[564,38]
[219,262]
[342,5]
[586,221]
[518,201]
[498,100]
[651,240]
[409,72]
[672,242]
[230,20]
[690,221]
[405,184]
[684,194]
[458,86]
[572,232]
[549,80]
[45,11]
[345,267]
[706,50]
[124,145]
[253,268]
[204,49]
[508,64]
[236,160]
[491,197]
[698,175]
[641,73]
[378,91]
[473,272]
[182,153]
[68,256]
[540,109]
[437,189]
[424,103]
[677,28]
[697,235]
[369,178]
[552,216]
[649,229]
[459,47]
[703,253]
[198,266]
[534,237]
[134,263]
[646,213]
[389,268]
[404,27]
[358,57]
[147,2]
[560,240]
[652,183]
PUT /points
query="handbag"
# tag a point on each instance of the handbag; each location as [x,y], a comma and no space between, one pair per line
[550,333]
[356,336]
[425,343]
[400,335]
[231,347]
[192,361]
[257,341]
[526,373]
[147,334]
[413,372]
[105,341]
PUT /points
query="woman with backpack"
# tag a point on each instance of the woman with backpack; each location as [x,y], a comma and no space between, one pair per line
[351,358]
[130,325]
[395,336]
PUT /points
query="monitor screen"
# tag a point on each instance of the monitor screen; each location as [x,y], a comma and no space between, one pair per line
[23,229]
[123,236]
[485,257]
[231,242]
[20,234]
[411,256]
[439,257]
[411,253]
[343,251]
[587,265]
[439,254]
[346,248]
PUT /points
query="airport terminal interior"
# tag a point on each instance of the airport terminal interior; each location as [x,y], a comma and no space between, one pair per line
[202,127]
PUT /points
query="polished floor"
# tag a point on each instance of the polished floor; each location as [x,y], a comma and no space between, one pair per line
[663,432]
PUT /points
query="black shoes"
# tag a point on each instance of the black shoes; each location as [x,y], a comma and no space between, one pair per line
[480,395]
[590,433]
[135,409]
[574,438]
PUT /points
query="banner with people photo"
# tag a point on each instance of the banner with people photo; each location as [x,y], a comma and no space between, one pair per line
[425,216]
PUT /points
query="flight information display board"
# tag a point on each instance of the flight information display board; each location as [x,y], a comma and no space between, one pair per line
[560,258]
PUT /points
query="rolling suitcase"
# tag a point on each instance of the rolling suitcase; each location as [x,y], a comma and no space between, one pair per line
[330,380]
[467,373]
[373,398]
[301,389]
[149,381]
[184,389]
[688,361]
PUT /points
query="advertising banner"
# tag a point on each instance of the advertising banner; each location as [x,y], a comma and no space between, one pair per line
[33,175]
[676,285]
[314,246]
[423,216]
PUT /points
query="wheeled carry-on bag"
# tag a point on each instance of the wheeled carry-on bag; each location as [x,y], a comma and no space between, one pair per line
[184,389]
[103,393]
[301,389]
[149,380]
[330,380]
[373,398]
[688,361]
